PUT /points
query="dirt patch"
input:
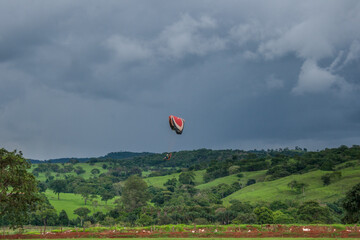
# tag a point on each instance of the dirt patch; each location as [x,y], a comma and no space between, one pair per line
[233,232]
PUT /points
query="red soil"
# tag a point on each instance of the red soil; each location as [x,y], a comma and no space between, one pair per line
[249,232]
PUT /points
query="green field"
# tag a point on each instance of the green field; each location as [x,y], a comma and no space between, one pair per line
[278,189]
[69,202]
[159,181]
[257,175]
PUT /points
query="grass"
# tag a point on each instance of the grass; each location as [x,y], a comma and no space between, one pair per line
[278,189]
[69,202]
[159,181]
[257,175]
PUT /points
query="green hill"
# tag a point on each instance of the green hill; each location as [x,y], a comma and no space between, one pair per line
[279,190]
[257,175]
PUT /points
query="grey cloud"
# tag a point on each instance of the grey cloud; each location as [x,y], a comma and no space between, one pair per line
[314,79]
[128,49]
[185,37]
[88,77]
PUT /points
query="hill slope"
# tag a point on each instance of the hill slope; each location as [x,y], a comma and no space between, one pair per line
[279,190]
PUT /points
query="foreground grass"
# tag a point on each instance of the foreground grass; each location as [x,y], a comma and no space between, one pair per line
[226,238]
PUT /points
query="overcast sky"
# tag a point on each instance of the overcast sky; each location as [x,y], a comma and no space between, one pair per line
[84,78]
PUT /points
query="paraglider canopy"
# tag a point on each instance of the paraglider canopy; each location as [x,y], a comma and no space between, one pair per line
[176,124]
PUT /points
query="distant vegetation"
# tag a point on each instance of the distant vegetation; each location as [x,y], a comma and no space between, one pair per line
[202,186]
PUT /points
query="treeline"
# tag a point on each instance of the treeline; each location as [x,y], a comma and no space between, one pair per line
[282,163]
[198,159]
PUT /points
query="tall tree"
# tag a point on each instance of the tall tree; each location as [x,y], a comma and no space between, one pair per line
[18,188]
[264,215]
[82,212]
[45,211]
[187,177]
[135,194]
[351,205]
[312,212]
[58,186]
[85,191]
[63,218]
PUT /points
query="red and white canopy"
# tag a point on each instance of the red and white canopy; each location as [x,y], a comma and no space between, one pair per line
[176,124]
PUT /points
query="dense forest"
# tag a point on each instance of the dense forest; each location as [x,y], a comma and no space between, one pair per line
[123,179]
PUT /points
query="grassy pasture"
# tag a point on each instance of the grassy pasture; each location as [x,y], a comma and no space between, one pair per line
[69,202]
[278,189]
[257,175]
[159,181]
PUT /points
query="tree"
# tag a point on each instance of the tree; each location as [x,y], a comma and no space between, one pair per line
[326,179]
[331,177]
[187,177]
[298,186]
[58,186]
[82,212]
[241,207]
[85,191]
[79,170]
[250,182]
[63,218]
[42,186]
[95,171]
[107,195]
[264,215]
[312,212]
[144,220]
[171,184]
[18,188]
[45,211]
[134,194]
[351,204]
[282,218]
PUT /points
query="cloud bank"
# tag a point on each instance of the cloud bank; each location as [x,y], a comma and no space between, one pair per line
[85,78]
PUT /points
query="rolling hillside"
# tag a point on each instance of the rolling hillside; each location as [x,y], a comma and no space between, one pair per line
[159,181]
[278,189]
[257,175]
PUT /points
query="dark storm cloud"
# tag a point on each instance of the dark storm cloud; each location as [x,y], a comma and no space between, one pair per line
[89,77]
